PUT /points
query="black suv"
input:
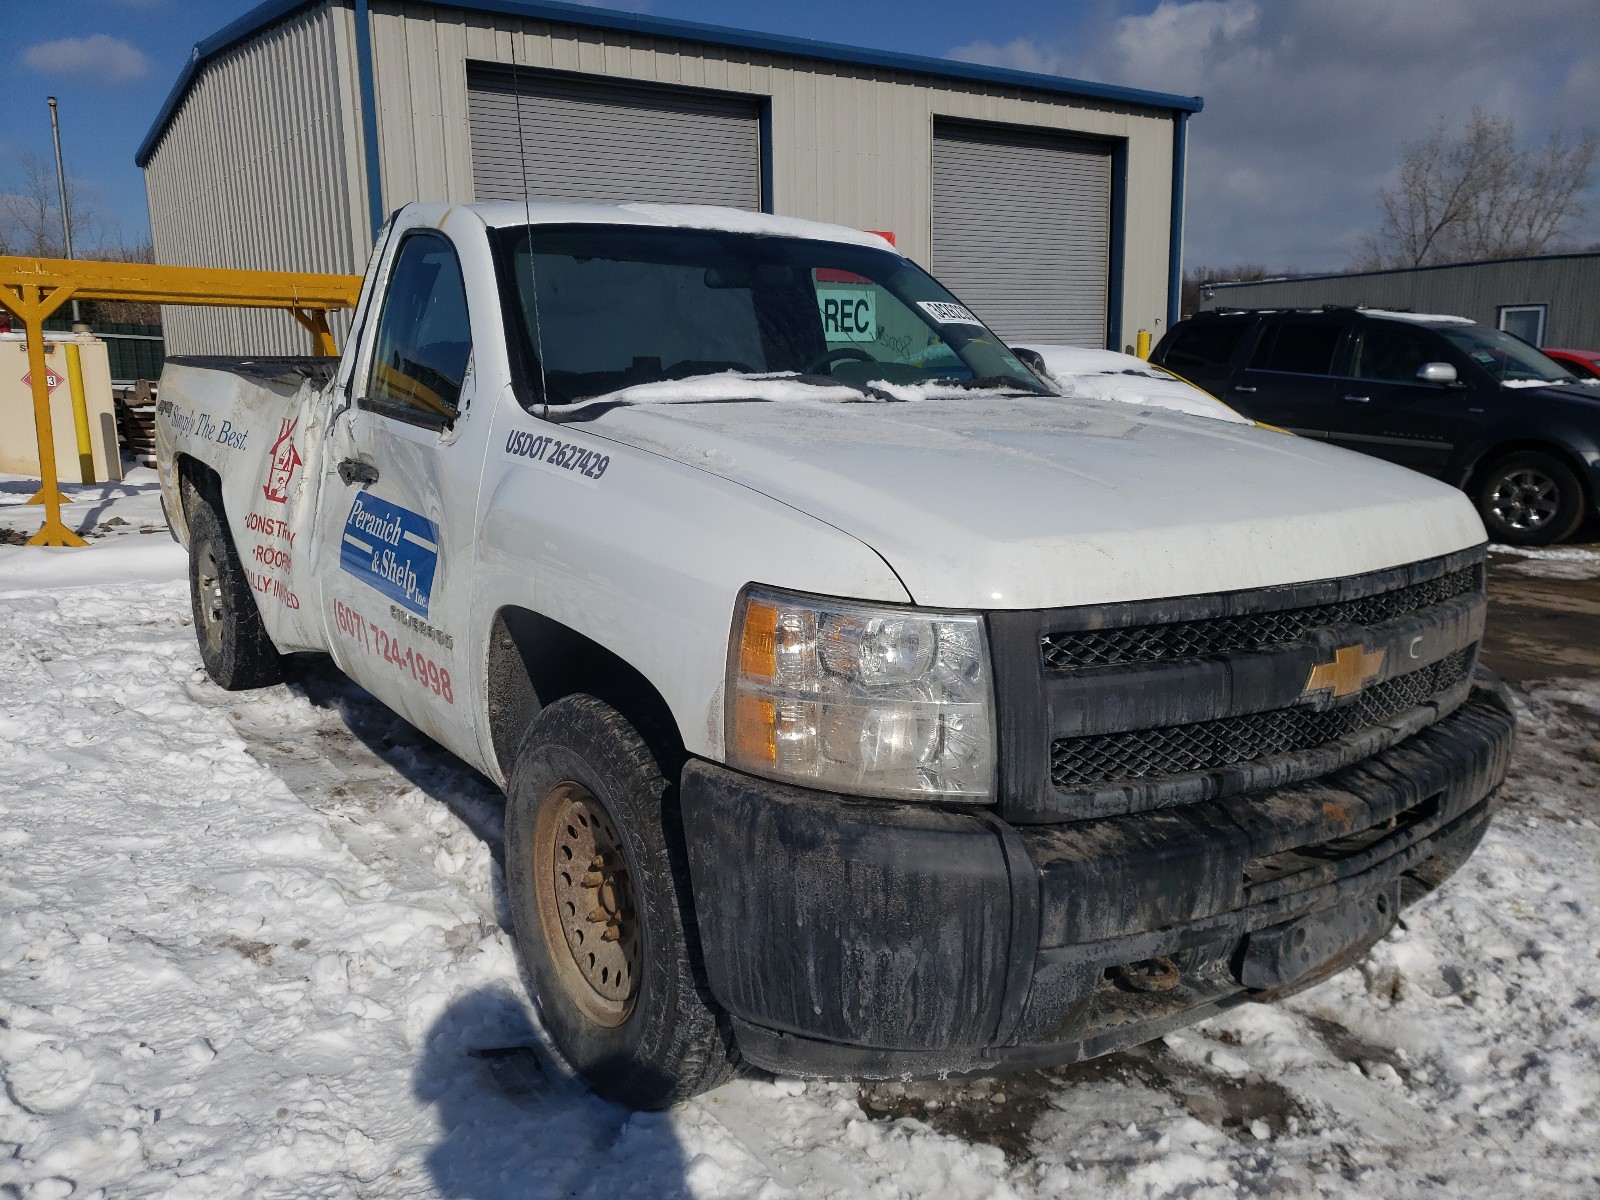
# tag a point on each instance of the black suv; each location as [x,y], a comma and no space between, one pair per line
[1449,397]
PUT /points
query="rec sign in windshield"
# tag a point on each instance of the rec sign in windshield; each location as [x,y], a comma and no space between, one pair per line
[848,314]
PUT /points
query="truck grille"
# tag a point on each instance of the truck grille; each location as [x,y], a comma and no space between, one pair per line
[1249,631]
[1177,749]
[1130,706]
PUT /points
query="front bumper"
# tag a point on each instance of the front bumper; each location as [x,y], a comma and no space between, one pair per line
[874,940]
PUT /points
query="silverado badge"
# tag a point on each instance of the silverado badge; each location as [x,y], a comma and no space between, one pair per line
[1352,668]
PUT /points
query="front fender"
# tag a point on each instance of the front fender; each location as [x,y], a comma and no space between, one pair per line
[1574,439]
[647,561]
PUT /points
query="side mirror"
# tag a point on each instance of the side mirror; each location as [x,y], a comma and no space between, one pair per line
[1436,372]
[1031,359]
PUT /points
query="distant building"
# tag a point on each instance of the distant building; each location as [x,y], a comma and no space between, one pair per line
[1549,300]
[1053,207]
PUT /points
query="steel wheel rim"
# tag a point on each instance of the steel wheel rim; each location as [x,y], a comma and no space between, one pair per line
[586,904]
[1525,500]
[208,584]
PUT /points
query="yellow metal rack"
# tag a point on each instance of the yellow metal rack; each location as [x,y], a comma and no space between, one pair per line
[34,288]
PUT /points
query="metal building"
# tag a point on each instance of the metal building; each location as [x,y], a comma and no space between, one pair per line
[1549,300]
[1053,207]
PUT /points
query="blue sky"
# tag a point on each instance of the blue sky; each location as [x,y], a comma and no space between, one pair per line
[1307,101]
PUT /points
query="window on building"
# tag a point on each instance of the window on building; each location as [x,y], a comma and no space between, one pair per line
[424,339]
[1525,321]
[1298,347]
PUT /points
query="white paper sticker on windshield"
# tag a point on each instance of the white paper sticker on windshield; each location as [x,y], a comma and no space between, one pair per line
[946,313]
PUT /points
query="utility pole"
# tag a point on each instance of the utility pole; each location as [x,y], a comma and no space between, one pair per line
[61,187]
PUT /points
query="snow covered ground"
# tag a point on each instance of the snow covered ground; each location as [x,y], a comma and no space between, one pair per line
[254,945]
[129,505]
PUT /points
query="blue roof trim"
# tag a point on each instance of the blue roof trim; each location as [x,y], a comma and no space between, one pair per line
[230,35]
[1180,168]
[1456,266]
[275,11]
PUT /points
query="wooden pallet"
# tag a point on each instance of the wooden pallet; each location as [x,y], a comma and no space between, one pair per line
[136,421]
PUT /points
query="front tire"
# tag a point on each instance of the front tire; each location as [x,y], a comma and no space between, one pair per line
[602,911]
[234,646]
[1529,499]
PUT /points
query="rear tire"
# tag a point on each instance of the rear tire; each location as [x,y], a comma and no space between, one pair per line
[234,646]
[602,909]
[1529,498]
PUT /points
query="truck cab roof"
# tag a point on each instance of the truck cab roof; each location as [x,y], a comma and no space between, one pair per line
[505,214]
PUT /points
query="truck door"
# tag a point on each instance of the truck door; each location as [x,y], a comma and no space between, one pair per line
[398,505]
[1385,410]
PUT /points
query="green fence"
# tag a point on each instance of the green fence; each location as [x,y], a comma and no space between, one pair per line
[136,351]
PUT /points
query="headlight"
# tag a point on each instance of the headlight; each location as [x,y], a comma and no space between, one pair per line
[872,700]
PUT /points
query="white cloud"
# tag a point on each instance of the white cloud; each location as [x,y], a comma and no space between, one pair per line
[1308,103]
[110,59]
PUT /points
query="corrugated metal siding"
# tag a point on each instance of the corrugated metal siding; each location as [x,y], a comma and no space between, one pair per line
[853,146]
[1022,232]
[594,142]
[263,166]
[1569,284]
[259,170]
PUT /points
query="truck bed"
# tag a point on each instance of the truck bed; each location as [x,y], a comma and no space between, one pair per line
[281,369]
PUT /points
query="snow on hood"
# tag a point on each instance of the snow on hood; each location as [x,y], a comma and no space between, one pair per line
[1107,375]
[726,385]
[771,387]
[1548,383]
[991,501]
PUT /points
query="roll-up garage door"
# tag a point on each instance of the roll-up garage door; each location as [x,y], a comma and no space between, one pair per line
[599,142]
[1022,231]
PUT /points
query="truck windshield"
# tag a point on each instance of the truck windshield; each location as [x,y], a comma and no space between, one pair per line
[1508,359]
[600,308]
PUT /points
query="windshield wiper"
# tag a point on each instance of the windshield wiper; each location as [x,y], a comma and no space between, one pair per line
[997,382]
[877,395]
[589,408]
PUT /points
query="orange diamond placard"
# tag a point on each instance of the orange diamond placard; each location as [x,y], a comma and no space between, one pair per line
[51,380]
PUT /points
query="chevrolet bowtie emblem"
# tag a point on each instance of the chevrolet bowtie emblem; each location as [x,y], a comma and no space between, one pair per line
[1352,668]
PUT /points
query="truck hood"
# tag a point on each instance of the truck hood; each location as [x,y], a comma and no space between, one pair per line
[1008,502]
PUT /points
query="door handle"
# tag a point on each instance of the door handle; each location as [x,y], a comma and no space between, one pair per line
[353,470]
[1358,399]
[1245,391]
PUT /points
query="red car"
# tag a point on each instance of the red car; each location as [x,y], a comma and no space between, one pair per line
[1585,364]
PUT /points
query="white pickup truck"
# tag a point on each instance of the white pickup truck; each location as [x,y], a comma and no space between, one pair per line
[865,705]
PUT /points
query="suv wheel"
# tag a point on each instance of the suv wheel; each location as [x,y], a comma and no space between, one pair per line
[600,901]
[1530,499]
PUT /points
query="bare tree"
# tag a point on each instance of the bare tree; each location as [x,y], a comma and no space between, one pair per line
[30,224]
[30,210]
[1479,196]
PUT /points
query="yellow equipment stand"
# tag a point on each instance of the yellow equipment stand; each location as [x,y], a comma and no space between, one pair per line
[80,413]
[34,288]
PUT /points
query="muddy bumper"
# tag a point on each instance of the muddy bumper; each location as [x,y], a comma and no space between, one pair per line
[876,940]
